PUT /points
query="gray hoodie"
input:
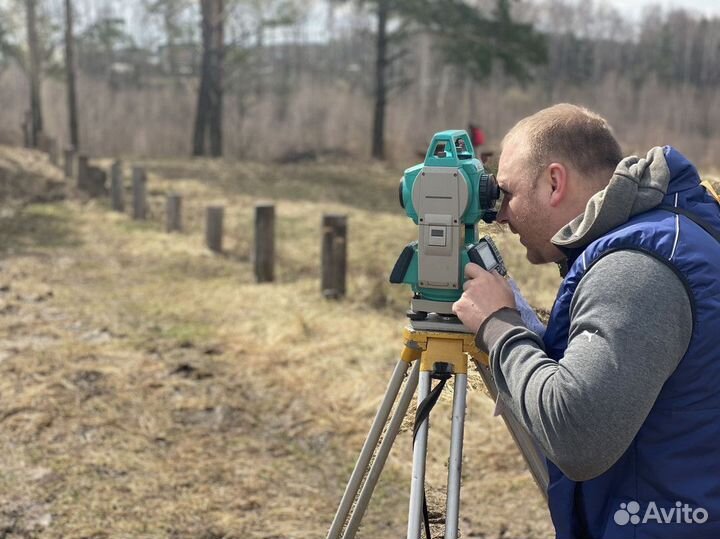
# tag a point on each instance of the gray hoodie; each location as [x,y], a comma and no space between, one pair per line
[625,338]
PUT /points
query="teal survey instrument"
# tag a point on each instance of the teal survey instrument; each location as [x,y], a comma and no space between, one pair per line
[446,196]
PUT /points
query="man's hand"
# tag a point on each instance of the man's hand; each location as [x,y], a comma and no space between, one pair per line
[484,294]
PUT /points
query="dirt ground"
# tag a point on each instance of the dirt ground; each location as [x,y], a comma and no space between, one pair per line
[149,388]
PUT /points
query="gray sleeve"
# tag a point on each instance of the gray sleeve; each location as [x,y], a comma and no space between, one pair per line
[630,324]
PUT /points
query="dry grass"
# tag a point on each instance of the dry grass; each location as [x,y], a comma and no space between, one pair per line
[26,176]
[151,389]
[714,179]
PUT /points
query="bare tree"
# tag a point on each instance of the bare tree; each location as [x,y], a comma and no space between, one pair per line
[34,70]
[70,73]
[381,65]
[8,47]
[208,116]
[170,12]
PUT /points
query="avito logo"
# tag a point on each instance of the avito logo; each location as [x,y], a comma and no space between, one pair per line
[629,513]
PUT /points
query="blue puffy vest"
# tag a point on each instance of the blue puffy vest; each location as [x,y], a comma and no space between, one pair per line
[675,457]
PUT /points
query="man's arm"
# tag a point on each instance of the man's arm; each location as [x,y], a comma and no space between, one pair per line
[631,323]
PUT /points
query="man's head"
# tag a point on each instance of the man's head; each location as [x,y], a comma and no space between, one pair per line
[551,164]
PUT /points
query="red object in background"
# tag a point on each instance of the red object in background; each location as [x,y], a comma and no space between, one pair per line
[477,136]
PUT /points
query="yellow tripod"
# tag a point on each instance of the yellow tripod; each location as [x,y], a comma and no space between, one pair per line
[429,350]
[435,348]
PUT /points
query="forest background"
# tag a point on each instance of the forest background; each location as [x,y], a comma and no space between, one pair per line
[300,77]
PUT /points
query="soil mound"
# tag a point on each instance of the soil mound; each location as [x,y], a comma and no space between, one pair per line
[27,176]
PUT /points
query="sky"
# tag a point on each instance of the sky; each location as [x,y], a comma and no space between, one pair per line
[634,8]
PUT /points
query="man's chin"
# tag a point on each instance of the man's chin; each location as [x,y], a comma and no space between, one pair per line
[543,255]
[534,257]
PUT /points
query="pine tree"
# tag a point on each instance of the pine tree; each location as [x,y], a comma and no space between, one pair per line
[467,38]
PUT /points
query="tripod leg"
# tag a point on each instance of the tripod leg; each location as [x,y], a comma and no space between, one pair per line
[368,449]
[531,452]
[382,454]
[452,511]
[418,468]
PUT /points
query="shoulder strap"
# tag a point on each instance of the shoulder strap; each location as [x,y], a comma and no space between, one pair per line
[702,224]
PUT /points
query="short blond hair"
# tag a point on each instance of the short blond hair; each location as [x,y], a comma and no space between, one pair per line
[572,134]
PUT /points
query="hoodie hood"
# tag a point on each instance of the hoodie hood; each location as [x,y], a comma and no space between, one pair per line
[637,185]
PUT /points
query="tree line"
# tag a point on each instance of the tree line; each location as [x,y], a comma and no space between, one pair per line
[388,51]
[674,46]
[467,37]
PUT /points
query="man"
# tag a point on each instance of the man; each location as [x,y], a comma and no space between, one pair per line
[622,392]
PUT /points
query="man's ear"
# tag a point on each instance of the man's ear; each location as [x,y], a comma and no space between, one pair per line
[558,179]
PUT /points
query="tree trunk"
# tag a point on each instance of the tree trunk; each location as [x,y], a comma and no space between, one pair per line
[216,84]
[201,111]
[169,21]
[378,131]
[70,70]
[35,68]
[208,116]
[259,87]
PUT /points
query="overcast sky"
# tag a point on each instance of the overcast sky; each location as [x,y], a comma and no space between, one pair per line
[634,8]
